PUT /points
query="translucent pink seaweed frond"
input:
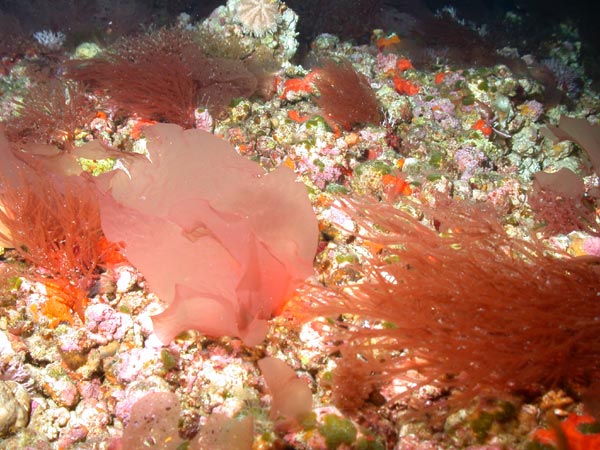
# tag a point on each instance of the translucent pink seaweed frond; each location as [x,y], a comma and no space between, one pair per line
[218,239]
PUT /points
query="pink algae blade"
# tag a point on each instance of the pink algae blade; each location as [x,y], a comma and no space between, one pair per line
[223,243]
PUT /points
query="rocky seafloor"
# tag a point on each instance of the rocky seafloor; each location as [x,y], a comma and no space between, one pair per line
[387,121]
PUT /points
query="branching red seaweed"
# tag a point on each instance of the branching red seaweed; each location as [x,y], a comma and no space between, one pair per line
[467,306]
[345,96]
[165,78]
[51,113]
[54,223]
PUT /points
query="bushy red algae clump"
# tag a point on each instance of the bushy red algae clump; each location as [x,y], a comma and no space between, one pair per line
[157,89]
[466,306]
[345,96]
[53,222]
[51,112]
[165,78]
[579,432]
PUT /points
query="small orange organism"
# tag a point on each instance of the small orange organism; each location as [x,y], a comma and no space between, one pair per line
[482,126]
[297,117]
[388,41]
[404,86]
[404,64]
[395,185]
[299,84]
[439,78]
[580,432]
[138,127]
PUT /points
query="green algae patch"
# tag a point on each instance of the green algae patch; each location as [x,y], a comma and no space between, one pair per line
[337,431]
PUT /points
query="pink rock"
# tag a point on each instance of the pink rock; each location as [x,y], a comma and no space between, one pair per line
[592,246]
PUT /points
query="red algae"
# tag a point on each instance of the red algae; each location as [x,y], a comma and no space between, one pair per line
[53,222]
[471,307]
[345,96]
[223,243]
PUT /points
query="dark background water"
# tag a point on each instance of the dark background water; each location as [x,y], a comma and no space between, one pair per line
[350,19]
